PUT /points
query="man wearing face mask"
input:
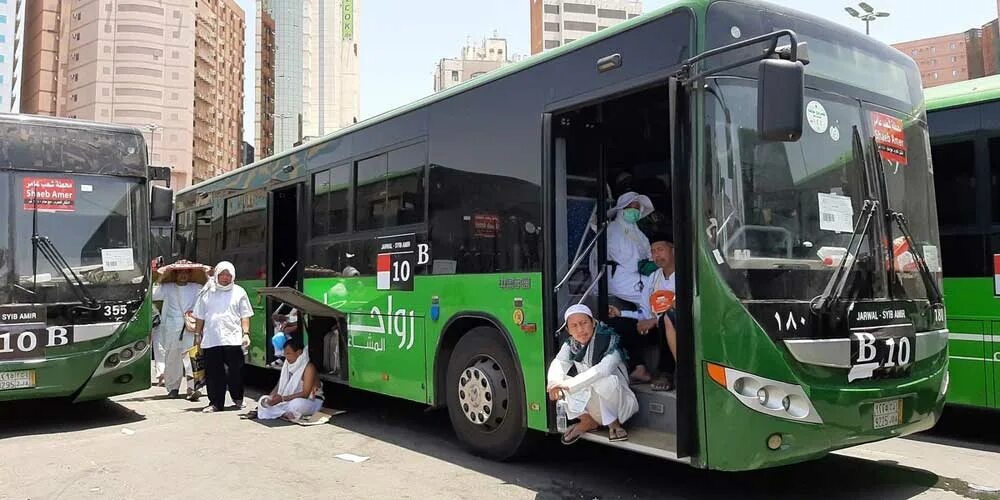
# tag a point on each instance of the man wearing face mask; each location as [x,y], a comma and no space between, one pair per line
[627,248]
[222,315]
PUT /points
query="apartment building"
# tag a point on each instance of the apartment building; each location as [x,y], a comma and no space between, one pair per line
[555,23]
[168,67]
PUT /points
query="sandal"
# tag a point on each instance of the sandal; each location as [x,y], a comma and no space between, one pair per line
[565,439]
[616,434]
[662,384]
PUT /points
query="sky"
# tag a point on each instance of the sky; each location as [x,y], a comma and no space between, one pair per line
[402,40]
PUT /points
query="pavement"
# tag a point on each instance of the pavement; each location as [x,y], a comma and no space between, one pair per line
[142,446]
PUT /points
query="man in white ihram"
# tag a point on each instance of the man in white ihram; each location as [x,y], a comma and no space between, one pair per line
[177,337]
[599,394]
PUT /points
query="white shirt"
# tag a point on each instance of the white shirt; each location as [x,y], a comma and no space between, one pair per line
[222,312]
[627,245]
[651,284]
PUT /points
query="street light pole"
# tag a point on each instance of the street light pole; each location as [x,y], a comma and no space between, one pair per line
[868,15]
[152,128]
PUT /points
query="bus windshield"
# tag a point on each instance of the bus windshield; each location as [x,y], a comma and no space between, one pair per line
[93,223]
[785,211]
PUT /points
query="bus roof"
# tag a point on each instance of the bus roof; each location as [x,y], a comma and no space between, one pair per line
[964,93]
[49,121]
[494,75]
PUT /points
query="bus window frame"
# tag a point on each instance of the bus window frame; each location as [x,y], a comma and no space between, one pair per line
[969,128]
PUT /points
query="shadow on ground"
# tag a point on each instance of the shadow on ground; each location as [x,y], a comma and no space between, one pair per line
[965,427]
[45,416]
[589,471]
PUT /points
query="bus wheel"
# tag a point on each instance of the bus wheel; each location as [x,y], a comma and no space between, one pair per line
[485,395]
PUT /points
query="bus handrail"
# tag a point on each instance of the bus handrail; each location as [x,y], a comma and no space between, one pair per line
[581,255]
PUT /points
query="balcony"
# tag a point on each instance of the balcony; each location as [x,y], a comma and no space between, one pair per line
[206,35]
[206,95]
[206,75]
[205,55]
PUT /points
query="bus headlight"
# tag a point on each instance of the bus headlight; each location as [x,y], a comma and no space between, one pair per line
[127,354]
[762,396]
[771,397]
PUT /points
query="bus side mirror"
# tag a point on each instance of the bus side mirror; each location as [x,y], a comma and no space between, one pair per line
[780,100]
[161,203]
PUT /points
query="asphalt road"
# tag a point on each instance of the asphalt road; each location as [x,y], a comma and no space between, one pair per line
[144,446]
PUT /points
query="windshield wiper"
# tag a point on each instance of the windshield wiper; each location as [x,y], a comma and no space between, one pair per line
[44,245]
[835,287]
[929,282]
[936,297]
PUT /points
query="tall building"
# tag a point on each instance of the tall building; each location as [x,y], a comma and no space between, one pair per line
[557,22]
[475,60]
[264,119]
[316,84]
[220,37]
[8,15]
[170,68]
[959,56]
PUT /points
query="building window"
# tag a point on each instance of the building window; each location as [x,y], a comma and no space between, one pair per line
[913,52]
[454,76]
[934,75]
[611,13]
[3,39]
[580,26]
[952,45]
[76,56]
[550,9]
[551,44]
[552,27]
[954,72]
[76,36]
[578,8]
[933,49]
[73,98]
[3,19]
[954,58]
[75,77]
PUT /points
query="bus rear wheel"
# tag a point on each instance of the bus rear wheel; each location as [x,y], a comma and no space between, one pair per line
[485,395]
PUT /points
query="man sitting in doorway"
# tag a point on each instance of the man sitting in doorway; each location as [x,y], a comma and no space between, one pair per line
[299,390]
[599,393]
[652,324]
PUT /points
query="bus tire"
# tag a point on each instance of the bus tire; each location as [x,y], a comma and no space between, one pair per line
[485,395]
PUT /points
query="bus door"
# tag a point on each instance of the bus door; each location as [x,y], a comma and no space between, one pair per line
[284,266]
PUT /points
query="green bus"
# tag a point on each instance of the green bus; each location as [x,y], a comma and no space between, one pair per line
[965,141]
[75,266]
[434,247]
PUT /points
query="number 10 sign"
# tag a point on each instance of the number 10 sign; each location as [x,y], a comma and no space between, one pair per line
[397,257]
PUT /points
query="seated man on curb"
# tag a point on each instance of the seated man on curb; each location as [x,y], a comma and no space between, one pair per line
[598,394]
[298,393]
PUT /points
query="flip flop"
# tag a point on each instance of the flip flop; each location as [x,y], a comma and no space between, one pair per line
[572,440]
[616,434]
[662,384]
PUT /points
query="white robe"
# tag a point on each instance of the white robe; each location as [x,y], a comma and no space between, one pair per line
[177,300]
[290,382]
[627,245]
[600,389]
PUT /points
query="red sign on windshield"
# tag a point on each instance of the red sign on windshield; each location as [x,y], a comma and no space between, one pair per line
[56,195]
[889,137]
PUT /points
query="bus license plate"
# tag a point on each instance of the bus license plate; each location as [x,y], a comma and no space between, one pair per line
[17,380]
[887,413]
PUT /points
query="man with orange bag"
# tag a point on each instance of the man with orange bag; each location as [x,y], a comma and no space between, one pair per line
[652,323]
